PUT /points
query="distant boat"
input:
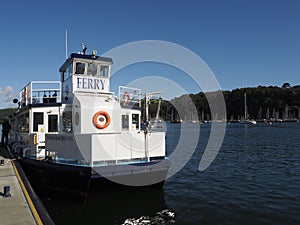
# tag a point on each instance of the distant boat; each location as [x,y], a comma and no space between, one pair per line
[246,120]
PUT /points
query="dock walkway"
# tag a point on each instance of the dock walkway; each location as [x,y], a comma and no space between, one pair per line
[14,210]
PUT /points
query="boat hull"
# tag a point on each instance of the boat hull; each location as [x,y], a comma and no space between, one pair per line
[56,179]
[248,122]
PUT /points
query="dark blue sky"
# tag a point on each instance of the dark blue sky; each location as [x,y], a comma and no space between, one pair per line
[245,43]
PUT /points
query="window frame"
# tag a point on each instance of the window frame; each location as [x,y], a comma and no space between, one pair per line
[125,121]
[50,123]
[35,125]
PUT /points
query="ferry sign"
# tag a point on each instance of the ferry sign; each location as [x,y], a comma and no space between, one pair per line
[90,84]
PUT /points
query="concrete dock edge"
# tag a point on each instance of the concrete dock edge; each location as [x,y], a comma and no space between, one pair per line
[23,206]
[37,207]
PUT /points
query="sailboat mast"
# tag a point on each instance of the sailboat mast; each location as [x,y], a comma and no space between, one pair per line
[245,103]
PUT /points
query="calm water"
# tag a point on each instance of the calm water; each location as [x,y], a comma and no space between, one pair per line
[255,179]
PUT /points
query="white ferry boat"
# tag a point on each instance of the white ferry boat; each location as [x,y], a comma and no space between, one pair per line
[76,135]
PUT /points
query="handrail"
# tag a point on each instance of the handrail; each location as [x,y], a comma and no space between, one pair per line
[40,92]
[129,96]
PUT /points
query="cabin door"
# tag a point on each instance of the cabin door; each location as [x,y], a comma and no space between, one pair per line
[39,132]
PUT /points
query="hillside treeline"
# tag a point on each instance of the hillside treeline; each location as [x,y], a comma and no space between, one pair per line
[5,113]
[271,103]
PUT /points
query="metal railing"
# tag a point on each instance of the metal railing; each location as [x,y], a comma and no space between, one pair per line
[129,97]
[40,92]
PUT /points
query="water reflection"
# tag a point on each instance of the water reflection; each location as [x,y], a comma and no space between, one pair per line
[113,207]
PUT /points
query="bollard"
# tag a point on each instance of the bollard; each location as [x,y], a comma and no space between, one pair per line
[6,192]
[2,162]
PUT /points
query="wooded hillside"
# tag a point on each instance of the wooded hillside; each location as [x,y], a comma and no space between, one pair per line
[4,113]
[271,103]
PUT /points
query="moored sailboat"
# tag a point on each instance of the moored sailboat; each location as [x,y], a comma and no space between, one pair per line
[246,119]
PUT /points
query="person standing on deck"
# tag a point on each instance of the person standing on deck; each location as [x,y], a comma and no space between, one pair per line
[5,130]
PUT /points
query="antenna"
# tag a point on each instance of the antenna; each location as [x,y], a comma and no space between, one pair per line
[66,43]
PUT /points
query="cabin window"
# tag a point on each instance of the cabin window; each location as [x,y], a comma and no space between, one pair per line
[135,121]
[80,68]
[52,123]
[92,69]
[23,122]
[103,71]
[67,121]
[69,71]
[125,122]
[38,118]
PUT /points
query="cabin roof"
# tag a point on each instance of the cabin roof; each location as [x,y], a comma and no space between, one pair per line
[82,56]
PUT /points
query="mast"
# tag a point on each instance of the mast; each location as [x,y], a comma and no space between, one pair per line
[66,43]
[245,105]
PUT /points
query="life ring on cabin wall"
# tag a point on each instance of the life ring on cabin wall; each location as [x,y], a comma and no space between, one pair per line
[101,119]
[126,98]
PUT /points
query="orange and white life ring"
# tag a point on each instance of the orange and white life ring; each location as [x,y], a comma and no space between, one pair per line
[101,119]
[126,98]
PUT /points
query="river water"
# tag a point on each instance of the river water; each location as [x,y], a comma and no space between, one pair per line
[255,179]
